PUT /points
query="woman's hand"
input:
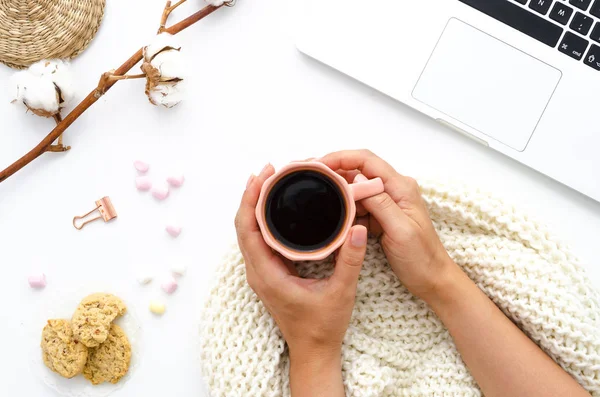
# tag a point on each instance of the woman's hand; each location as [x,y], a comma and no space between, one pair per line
[409,240]
[313,315]
[488,342]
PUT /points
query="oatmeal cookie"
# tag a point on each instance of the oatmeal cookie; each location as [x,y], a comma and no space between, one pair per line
[109,362]
[93,317]
[60,351]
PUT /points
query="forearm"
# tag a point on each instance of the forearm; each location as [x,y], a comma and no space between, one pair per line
[501,358]
[316,375]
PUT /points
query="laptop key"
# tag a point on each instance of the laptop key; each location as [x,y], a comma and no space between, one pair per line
[573,45]
[595,35]
[541,6]
[581,23]
[592,58]
[520,19]
[561,13]
[521,1]
[581,4]
[595,10]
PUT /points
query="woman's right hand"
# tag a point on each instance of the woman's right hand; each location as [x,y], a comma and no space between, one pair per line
[488,342]
[409,239]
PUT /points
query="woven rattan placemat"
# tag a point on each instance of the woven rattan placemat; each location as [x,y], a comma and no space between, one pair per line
[32,30]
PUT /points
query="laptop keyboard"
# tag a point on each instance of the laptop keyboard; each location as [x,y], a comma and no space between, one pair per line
[571,26]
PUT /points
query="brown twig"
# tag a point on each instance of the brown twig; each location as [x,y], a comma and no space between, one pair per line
[106,82]
[128,77]
[59,147]
[168,10]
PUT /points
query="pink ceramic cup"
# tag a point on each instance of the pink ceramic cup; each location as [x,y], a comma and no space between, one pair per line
[351,193]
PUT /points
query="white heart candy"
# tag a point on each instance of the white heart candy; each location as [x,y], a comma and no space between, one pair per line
[178,270]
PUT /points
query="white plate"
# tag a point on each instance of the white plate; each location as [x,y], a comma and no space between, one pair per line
[63,306]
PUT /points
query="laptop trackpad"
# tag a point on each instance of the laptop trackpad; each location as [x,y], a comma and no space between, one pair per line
[487,84]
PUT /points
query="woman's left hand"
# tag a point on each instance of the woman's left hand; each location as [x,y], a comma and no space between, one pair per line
[313,315]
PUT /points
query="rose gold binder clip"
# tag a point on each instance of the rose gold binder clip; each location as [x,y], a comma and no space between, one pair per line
[106,209]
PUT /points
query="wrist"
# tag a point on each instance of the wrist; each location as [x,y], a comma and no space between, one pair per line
[449,277]
[316,374]
[314,357]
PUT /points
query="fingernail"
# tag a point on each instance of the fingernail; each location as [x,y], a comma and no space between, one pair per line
[359,237]
[265,168]
[360,178]
[250,181]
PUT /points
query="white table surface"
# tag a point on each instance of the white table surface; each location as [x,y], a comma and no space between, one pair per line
[252,99]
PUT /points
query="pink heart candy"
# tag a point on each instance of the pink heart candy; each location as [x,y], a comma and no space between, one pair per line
[37,281]
[143,183]
[169,286]
[141,166]
[176,180]
[161,191]
[173,230]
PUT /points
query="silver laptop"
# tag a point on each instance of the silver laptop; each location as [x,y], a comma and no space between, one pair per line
[519,76]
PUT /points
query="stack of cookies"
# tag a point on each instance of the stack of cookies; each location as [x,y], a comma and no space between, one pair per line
[90,343]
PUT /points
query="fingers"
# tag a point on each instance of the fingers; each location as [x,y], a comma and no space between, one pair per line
[368,221]
[257,253]
[348,175]
[350,258]
[374,227]
[361,210]
[363,160]
[386,213]
[397,186]
[245,220]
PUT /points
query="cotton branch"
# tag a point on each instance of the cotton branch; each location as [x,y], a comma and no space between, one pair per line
[107,80]
[168,10]
[59,147]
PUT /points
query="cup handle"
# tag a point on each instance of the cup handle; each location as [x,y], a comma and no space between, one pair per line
[363,188]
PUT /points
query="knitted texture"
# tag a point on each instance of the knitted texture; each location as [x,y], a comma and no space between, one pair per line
[395,345]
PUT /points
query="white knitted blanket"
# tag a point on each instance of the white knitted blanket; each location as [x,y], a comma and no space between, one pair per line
[395,345]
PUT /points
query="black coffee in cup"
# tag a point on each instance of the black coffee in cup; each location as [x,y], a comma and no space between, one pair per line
[305,210]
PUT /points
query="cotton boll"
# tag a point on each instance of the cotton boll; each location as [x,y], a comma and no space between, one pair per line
[37,94]
[161,42]
[164,69]
[166,94]
[58,72]
[170,65]
[217,3]
[63,78]
[45,87]
[43,68]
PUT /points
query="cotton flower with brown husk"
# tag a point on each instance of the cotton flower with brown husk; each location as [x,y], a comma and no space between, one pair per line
[218,3]
[164,69]
[44,89]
